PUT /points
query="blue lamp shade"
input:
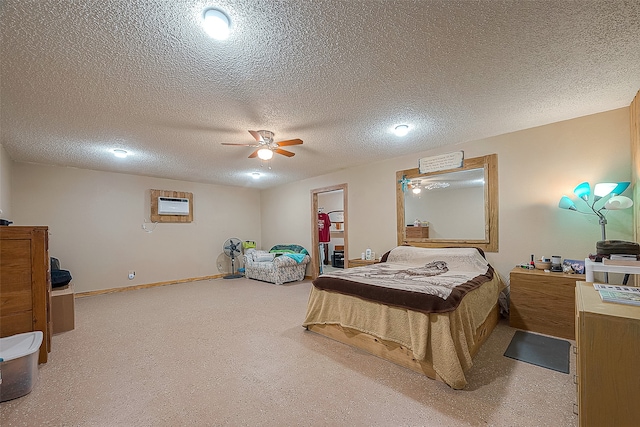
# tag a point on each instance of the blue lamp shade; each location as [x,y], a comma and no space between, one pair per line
[603,188]
[567,203]
[620,188]
[583,190]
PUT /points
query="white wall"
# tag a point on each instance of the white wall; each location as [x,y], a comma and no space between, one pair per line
[95,223]
[535,168]
[6,171]
[95,217]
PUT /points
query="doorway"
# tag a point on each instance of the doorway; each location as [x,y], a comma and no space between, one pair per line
[338,230]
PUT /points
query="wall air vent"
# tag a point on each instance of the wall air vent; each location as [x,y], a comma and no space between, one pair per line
[173,206]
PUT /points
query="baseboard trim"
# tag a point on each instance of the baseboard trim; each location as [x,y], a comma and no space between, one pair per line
[145,286]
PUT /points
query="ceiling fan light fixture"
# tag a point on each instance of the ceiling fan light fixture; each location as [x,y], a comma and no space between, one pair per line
[266,136]
[216,23]
[265,154]
[401,130]
[255,175]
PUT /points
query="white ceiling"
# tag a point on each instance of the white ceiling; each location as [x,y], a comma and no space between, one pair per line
[79,77]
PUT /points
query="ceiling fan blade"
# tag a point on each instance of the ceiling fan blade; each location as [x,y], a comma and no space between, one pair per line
[256,135]
[296,141]
[284,152]
[254,154]
[239,145]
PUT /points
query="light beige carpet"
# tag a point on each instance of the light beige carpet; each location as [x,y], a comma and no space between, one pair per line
[233,353]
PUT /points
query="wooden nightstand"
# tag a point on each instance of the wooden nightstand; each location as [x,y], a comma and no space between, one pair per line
[543,302]
[357,262]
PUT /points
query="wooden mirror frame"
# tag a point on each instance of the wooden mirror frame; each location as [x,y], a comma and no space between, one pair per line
[490,243]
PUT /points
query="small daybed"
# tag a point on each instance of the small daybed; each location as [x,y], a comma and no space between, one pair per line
[282,264]
[426,309]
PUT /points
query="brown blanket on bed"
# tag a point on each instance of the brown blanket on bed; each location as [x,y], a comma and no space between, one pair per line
[418,301]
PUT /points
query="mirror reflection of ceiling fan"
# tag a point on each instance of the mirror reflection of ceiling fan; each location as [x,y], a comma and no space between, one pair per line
[266,146]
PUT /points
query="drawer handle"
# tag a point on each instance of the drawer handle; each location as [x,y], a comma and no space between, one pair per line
[575,379]
[575,408]
[575,349]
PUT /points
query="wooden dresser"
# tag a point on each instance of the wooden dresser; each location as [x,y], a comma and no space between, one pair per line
[543,302]
[608,350]
[25,283]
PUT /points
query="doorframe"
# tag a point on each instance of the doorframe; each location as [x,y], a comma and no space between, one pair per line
[315,254]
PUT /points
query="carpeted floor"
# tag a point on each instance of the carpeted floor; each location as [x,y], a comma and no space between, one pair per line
[232,352]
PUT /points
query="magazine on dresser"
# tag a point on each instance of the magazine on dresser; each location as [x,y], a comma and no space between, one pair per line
[618,294]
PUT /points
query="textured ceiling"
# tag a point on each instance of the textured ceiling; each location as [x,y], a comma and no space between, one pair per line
[80,77]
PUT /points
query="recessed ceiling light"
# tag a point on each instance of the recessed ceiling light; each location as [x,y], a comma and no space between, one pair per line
[401,130]
[256,175]
[118,152]
[216,23]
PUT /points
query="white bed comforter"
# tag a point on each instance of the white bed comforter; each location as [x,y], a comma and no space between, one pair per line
[431,271]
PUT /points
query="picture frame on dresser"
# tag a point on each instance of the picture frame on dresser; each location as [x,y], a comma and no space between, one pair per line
[577,265]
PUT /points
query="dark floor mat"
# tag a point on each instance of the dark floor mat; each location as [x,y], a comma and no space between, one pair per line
[540,350]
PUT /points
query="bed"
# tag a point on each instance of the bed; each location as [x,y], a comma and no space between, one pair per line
[426,309]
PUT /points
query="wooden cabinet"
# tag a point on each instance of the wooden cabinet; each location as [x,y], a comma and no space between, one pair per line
[608,350]
[543,302]
[357,262]
[417,232]
[25,283]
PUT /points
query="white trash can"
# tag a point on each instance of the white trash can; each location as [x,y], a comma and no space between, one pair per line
[18,364]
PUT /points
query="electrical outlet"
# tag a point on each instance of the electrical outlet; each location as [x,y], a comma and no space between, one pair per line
[132,274]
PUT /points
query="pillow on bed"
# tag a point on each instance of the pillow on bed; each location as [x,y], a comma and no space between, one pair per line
[263,257]
[457,259]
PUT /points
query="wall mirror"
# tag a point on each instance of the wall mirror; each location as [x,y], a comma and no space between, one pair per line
[455,207]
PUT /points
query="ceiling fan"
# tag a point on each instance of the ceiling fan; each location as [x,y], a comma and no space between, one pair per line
[266,146]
